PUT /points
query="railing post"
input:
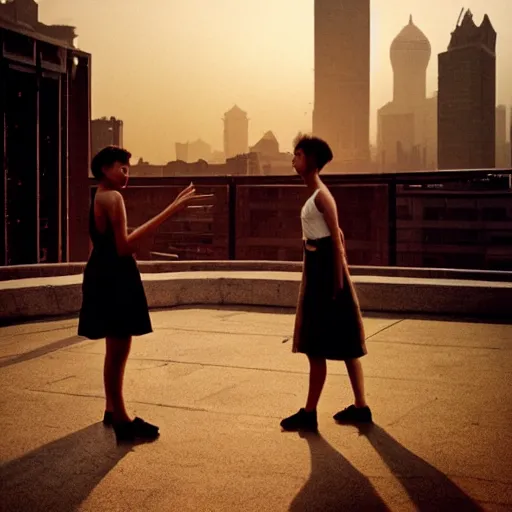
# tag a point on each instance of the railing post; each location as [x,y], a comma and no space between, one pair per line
[3,163]
[392,235]
[232,219]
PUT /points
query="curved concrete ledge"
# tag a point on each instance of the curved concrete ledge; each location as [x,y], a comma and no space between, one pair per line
[45,297]
[150,267]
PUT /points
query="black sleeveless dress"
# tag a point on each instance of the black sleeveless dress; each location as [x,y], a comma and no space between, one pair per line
[114,302]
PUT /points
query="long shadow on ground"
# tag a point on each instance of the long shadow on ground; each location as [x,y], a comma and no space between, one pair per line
[335,484]
[428,488]
[59,476]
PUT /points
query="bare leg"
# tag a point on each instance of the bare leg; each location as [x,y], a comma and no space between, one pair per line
[317,374]
[355,372]
[115,364]
[108,401]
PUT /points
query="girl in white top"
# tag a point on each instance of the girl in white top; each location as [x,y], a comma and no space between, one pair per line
[328,322]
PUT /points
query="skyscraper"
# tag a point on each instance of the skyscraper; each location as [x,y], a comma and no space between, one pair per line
[236,132]
[342,79]
[502,150]
[407,126]
[106,132]
[467,97]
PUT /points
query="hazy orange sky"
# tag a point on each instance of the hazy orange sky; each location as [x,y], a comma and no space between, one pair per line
[171,68]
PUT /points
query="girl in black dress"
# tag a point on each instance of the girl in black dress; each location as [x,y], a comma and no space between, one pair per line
[328,323]
[114,304]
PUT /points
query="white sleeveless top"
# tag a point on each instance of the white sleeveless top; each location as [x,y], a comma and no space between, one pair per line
[313,221]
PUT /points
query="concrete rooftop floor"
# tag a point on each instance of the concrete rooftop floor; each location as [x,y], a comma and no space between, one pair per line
[218,381]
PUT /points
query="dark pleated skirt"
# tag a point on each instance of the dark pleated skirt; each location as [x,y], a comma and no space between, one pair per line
[327,327]
[114,302]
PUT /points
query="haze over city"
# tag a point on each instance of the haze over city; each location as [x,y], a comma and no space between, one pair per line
[171,69]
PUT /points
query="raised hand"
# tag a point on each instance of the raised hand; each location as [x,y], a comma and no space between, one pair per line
[187,197]
[185,191]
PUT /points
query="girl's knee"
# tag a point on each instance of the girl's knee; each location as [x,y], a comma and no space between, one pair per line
[317,361]
[118,348]
[352,363]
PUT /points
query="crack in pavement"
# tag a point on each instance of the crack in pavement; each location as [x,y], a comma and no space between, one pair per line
[385,328]
[416,407]
[161,365]
[208,331]
[249,368]
[61,380]
[156,404]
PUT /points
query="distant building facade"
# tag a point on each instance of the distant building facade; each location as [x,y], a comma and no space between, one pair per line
[502,145]
[267,145]
[342,79]
[25,13]
[270,159]
[407,126]
[193,151]
[241,165]
[467,97]
[106,132]
[236,132]
[181,151]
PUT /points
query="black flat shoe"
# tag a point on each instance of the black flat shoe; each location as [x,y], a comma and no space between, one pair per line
[301,421]
[354,415]
[138,429]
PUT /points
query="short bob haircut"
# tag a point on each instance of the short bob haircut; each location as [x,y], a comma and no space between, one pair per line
[107,157]
[316,150]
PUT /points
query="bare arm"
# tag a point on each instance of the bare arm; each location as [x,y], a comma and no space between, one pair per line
[126,244]
[326,204]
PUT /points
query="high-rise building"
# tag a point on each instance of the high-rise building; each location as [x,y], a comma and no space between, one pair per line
[410,55]
[236,132]
[342,79]
[181,149]
[106,132]
[502,150]
[510,139]
[407,126]
[25,13]
[467,97]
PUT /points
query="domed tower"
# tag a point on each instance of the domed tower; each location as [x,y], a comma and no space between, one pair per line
[410,54]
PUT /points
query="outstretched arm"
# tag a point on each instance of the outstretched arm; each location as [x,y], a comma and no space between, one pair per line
[126,244]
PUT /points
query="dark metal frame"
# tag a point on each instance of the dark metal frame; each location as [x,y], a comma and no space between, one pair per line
[73,161]
[393,181]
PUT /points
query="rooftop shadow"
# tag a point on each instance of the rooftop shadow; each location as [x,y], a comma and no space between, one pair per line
[59,476]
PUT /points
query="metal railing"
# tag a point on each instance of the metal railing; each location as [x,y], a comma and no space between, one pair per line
[449,219]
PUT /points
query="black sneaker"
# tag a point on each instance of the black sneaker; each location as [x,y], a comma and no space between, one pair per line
[354,414]
[302,420]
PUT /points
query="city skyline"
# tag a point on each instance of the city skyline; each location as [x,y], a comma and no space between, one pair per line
[202,74]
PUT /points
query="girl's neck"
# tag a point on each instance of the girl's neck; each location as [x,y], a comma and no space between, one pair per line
[104,186]
[313,181]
